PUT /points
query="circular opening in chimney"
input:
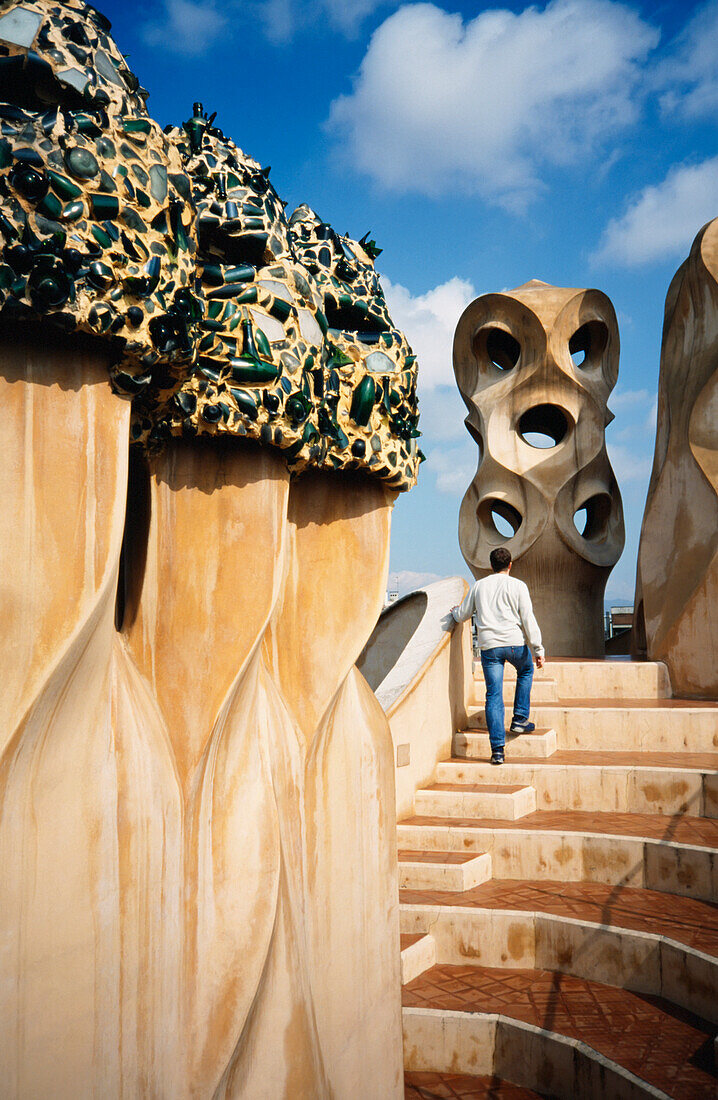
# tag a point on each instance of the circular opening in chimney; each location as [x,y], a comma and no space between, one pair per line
[543,426]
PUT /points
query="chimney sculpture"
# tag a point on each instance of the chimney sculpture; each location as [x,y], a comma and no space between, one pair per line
[535,367]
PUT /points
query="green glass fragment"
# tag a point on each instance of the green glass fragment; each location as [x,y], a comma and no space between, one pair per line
[263,344]
[280,309]
[51,206]
[136,125]
[363,401]
[102,238]
[5,154]
[214,309]
[254,371]
[104,206]
[245,402]
[63,186]
[212,274]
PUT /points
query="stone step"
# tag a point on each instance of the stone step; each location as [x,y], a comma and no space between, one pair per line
[502,802]
[542,691]
[673,855]
[685,921]
[667,725]
[442,870]
[418,953]
[566,1036]
[634,786]
[421,1086]
[475,744]
[609,679]
[650,963]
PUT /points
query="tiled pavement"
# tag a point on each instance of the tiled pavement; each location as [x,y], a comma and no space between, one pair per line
[652,1038]
[408,938]
[454,1086]
[692,922]
[699,831]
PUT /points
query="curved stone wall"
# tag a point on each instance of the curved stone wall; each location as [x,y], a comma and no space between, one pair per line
[677,581]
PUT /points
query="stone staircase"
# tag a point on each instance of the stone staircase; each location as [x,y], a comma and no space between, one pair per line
[558,914]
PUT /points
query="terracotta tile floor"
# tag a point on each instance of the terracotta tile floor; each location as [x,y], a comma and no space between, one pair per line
[663,1044]
[407,856]
[681,829]
[704,761]
[428,1086]
[408,938]
[686,920]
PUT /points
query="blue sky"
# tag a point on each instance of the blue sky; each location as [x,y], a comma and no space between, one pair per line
[573,142]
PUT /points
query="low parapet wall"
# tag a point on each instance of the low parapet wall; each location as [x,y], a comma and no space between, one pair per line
[421,673]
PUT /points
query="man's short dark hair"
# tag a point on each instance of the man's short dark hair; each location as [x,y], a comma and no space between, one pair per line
[500,559]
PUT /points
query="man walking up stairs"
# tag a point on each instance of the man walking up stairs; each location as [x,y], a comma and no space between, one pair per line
[508,631]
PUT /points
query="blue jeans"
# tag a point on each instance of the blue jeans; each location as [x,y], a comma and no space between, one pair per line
[492,662]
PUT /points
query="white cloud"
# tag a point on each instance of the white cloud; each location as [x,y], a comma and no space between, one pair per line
[453,468]
[663,219]
[188,27]
[484,105]
[690,74]
[347,15]
[429,321]
[192,27]
[631,463]
[625,399]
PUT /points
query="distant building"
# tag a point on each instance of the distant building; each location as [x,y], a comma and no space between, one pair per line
[618,620]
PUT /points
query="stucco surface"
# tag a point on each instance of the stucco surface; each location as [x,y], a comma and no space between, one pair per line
[542,361]
[677,579]
[178,789]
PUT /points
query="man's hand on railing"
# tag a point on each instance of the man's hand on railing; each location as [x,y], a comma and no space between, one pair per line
[448,622]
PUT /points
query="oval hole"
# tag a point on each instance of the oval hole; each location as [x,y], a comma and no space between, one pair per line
[497,348]
[543,426]
[499,518]
[588,343]
[592,518]
[502,525]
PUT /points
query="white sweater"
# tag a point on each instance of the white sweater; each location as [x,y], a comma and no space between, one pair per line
[504,615]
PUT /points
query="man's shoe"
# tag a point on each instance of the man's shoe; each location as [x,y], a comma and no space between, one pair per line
[497,758]
[517,726]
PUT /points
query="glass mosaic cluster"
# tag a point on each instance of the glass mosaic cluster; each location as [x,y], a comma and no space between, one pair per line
[221,315]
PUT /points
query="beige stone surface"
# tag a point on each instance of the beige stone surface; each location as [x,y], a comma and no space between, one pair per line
[177,805]
[514,368]
[451,1041]
[64,444]
[677,579]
